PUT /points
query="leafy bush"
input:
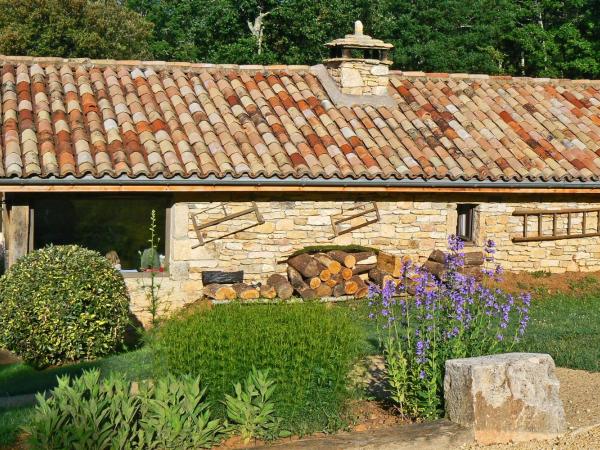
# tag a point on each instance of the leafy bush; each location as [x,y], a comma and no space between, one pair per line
[94,414]
[62,304]
[85,412]
[174,414]
[308,349]
[456,316]
[251,411]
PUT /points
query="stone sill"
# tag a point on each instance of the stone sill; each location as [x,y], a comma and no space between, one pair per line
[144,274]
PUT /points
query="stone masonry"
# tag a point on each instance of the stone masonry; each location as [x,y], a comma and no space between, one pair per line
[361,77]
[412,226]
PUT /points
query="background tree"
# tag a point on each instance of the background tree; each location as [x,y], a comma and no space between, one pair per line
[555,38]
[73,28]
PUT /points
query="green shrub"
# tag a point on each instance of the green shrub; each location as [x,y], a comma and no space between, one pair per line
[94,414]
[251,412]
[62,304]
[175,415]
[85,412]
[308,349]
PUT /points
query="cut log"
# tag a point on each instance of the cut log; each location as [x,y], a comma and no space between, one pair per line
[362,292]
[331,265]
[339,290]
[473,259]
[434,268]
[282,286]
[331,282]
[295,278]
[219,292]
[307,265]
[325,275]
[345,259]
[267,291]
[245,291]
[379,277]
[346,273]
[314,282]
[220,277]
[391,264]
[323,291]
[365,258]
[300,286]
[438,256]
[350,287]
[363,268]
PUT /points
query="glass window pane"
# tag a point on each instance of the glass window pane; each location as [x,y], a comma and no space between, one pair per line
[102,223]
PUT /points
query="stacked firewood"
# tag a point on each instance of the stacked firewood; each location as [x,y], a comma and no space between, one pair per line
[277,286]
[335,273]
[436,264]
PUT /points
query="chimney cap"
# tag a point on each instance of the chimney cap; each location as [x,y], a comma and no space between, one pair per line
[359,40]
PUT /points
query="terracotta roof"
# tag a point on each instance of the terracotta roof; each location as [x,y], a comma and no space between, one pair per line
[129,118]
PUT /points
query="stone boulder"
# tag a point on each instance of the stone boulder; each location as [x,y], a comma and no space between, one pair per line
[506,397]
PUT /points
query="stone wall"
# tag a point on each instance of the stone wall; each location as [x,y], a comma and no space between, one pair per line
[409,225]
[360,77]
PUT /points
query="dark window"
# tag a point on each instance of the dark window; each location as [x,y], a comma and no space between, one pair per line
[465,225]
[108,224]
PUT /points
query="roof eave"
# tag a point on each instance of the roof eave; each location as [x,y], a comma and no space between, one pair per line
[273,184]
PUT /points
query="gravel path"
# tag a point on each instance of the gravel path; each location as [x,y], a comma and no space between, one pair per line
[580,393]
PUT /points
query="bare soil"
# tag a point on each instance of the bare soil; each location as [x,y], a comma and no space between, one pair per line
[542,284]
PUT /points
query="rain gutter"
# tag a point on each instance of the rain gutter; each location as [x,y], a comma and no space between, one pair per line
[229,181]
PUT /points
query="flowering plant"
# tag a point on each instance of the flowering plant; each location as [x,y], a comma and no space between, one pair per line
[455,315]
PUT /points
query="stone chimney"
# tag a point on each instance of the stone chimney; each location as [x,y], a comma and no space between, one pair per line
[359,64]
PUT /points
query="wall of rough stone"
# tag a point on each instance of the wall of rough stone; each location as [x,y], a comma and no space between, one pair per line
[409,225]
[360,77]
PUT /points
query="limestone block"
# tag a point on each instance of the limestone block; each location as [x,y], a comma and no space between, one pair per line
[284,225]
[379,90]
[179,220]
[350,77]
[179,270]
[319,220]
[506,397]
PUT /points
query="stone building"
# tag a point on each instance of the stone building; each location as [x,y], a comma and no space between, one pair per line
[245,164]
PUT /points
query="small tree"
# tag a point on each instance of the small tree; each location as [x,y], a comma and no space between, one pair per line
[73,28]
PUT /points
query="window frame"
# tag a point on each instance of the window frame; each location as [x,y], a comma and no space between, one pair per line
[470,211]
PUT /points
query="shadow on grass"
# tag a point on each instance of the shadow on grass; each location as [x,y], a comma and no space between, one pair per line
[19,378]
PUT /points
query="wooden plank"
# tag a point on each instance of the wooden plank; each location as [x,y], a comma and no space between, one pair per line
[568,224]
[553,238]
[584,222]
[524,212]
[540,224]
[18,237]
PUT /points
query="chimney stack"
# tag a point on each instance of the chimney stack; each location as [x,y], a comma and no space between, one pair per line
[359,64]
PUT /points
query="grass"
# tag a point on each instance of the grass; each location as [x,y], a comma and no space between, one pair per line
[19,378]
[11,421]
[568,328]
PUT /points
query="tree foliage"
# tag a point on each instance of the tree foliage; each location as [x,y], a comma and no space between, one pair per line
[72,28]
[555,38]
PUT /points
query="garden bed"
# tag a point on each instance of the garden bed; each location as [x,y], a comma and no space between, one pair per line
[565,323]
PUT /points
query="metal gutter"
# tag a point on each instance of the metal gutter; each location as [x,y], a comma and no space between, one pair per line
[301,182]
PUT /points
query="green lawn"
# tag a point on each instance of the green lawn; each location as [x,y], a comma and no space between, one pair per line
[568,328]
[11,421]
[17,379]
